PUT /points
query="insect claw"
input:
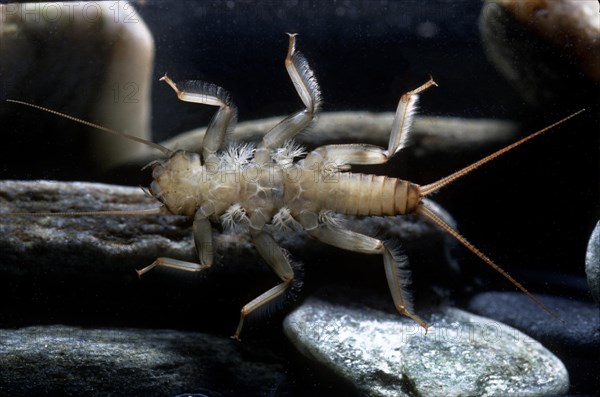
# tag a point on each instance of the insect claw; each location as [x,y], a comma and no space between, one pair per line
[171,83]
[140,272]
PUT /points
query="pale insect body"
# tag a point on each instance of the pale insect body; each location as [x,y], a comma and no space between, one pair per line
[246,187]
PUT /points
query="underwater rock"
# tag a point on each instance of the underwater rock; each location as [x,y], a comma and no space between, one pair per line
[548,50]
[64,360]
[33,244]
[571,25]
[92,60]
[592,263]
[384,354]
[576,340]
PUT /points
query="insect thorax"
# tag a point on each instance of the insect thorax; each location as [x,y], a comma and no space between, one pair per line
[183,183]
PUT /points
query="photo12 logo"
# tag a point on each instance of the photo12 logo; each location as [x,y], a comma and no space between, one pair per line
[64,12]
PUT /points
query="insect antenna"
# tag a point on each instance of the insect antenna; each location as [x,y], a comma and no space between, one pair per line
[149,211]
[153,145]
[432,216]
[430,213]
[437,185]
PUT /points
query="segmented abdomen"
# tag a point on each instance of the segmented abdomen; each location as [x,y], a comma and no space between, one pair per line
[360,194]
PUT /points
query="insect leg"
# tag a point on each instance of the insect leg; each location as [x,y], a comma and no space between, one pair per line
[404,118]
[345,154]
[394,264]
[173,264]
[307,87]
[204,248]
[203,239]
[208,94]
[279,261]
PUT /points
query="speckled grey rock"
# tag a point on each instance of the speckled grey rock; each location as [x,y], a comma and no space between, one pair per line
[462,354]
[592,263]
[580,330]
[36,243]
[72,361]
[576,340]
